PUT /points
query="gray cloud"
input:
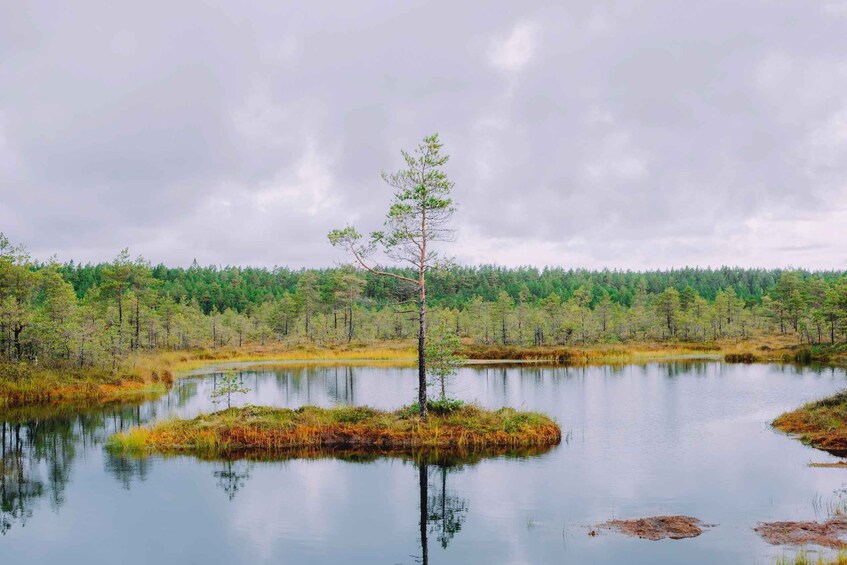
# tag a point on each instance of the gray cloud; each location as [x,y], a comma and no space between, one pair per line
[617,134]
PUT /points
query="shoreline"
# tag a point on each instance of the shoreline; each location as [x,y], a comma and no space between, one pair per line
[152,373]
[821,424]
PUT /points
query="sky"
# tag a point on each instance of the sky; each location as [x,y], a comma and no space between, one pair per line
[629,135]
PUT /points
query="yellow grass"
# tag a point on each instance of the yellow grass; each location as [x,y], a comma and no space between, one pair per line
[265,429]
[805,558]
[150,372]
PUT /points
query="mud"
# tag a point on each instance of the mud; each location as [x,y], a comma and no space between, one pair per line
[826,534]
[657,527]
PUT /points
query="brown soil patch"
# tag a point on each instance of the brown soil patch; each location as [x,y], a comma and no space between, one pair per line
[825,534]
[658,527]
[837,465]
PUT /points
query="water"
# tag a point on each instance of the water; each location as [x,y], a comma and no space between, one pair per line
[666,438]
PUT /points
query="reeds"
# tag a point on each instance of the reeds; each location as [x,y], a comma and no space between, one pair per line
[804,557]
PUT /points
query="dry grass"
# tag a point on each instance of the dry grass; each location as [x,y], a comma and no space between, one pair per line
[822,424]
[264,429]
[806,558]
[22,384]
[181,361]
[149,372]
[775,348]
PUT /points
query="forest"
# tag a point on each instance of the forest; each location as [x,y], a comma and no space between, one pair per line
[66,314]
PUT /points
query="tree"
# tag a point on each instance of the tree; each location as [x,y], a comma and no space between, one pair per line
[18,289]
[347,287]
[442,356]
[229,384]
[604,310]
[582,301]
[307,298]
[667,307]
[419,215]
[501,310]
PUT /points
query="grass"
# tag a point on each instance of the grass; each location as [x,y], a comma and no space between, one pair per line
[26,384]
[805,558]
[772,348]
[265,429]
[822,424]
[149,373]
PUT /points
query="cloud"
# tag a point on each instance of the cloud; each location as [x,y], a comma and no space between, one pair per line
[516,50]
[579,135]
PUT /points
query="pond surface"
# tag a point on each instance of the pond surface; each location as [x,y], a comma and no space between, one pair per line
[686,438]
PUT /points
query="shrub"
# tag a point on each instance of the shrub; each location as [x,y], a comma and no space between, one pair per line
[445,405]
[740,358]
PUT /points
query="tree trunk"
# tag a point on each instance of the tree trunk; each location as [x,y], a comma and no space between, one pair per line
[422,356]
[137,322]
[350,324]
[17,332]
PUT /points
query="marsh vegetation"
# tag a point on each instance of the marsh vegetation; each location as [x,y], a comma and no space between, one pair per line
[258,429]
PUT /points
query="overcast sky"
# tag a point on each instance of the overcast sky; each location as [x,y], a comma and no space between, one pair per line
[623,134]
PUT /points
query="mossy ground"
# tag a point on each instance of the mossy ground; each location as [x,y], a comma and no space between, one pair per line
[264,429]
[822,424]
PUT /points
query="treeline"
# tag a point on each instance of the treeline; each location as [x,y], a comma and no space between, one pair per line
[96,315]
[238,288]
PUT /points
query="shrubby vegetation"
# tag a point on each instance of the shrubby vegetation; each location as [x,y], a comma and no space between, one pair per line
[96,315]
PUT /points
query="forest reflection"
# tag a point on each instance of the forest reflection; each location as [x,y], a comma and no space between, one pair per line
[37,454]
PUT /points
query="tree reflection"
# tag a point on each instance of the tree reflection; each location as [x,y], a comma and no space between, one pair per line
[446,511]
[35,461]
[441,512]
[126,469]
[232,476]
[38,446]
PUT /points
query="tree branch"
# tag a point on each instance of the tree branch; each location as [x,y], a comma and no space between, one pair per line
[378,272]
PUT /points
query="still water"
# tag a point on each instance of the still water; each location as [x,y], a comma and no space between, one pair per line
[686,438]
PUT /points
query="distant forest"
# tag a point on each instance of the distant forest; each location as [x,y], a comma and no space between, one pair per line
[67,314]
[240,288]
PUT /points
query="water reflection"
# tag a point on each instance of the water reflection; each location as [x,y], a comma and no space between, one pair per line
[35,462]
[37,454]
[232,475]
[446,511]
[628,421]
[125,470]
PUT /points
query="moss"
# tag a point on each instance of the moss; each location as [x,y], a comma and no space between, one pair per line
[822,424]
[257,429]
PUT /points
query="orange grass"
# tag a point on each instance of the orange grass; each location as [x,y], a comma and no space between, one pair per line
[265,429]
[22,384]
[822,424]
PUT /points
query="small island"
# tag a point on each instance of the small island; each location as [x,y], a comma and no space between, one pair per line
[821,424]
[258,429]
